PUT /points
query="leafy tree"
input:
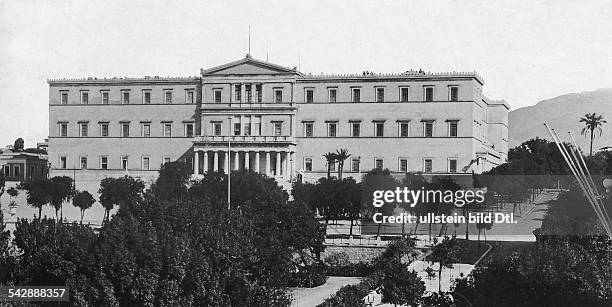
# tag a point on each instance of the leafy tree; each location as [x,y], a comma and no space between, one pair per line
[61,190]
[7,259]
[400,285]
[414,181]
[38,193]
[303,192]
[185,252]
[172,181]
[123,192]
[592,122]
[83,200]
[377,180]
[445,253]
[2,185]
[341,156]
[555,273]
[18,145]
[331,158]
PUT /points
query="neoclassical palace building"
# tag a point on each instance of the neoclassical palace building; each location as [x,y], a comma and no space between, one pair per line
[275,120]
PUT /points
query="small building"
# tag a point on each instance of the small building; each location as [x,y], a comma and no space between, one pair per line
[21,166]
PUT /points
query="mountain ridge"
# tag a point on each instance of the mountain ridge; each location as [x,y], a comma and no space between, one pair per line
[563,113]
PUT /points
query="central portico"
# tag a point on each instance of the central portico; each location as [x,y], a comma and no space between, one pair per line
[248,119]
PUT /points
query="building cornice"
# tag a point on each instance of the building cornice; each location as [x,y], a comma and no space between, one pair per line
[410,75]
[124,81]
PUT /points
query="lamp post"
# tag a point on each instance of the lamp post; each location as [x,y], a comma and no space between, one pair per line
[229,137]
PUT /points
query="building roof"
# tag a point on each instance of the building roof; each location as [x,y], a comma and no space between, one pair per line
[9,155]
[249,66]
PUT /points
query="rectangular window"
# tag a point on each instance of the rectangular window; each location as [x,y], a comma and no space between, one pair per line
[378,163]
[308,129]
[167,130]
[63,163]
[64,97]
[404,94]
[258,92]
[104,97]
[278,126]
[309,96]
[189,96]
[217,129]
[168,97]
[103,162]
[84,97]
[308,164]
[379,129]
[189,163]
[63,127]
[146,163]
[452,128]
[83,162]
[17,171]
[355,165]
[124,162]
[403,165]
[356,95]
[332,95]
[404,129]
[189,130]
[380,94]
[103,129]
[247,93]
[332,129]
[427,165]
[238,92]
[237,127]
[278,96]
[84,129]
[355,129]
[7,171]
[125,130]
[429,94]
[146,130]
[452,165]
[146,97]
[453,94]
[217,94]
[247,129]
[428,129]
[166,160]
[125,97]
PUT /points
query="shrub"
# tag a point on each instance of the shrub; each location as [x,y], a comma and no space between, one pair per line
[309,276]
[337,259]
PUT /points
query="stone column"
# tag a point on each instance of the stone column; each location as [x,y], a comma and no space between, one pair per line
[205,165]
[196,163]
[287,166]
[256,159]
[291,165]
[246,161]
[268,163]
[216,162]
[236,160]
[278,163]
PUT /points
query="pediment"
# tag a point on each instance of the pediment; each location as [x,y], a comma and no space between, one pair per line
[249,66]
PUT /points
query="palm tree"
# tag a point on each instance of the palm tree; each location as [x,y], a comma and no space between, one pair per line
[341,155]
[331,159]
[592,122]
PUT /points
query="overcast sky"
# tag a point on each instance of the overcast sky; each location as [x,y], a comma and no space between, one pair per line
[525,50]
